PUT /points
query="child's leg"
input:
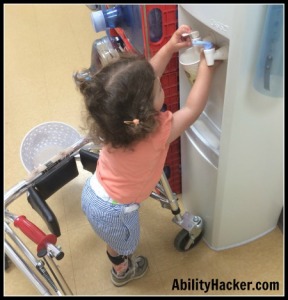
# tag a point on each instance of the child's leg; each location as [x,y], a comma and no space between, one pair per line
[119,262]
[126,268]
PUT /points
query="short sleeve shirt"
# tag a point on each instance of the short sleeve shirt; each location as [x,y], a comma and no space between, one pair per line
[130,175]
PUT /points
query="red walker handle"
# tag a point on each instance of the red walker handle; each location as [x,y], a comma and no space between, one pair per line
[34,233]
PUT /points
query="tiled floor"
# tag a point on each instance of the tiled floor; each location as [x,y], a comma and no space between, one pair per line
[43,45]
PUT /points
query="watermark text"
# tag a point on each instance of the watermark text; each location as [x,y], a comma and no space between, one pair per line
[195,284]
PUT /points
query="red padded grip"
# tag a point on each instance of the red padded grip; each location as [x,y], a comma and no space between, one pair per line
[34,233]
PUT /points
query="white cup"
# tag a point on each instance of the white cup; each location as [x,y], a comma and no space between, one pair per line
[189,59]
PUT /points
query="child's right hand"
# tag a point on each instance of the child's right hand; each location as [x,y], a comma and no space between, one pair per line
[177,42]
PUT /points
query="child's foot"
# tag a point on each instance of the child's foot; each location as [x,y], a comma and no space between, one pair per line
[137,267]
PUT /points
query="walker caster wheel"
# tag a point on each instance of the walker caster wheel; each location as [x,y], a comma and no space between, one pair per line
[183,238]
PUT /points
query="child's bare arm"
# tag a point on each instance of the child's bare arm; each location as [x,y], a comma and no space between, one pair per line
[160,60]
[195,102]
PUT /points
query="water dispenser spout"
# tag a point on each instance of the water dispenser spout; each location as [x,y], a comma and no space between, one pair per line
[211,54]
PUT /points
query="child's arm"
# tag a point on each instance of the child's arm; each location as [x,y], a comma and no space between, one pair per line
[160,60]
[195,102]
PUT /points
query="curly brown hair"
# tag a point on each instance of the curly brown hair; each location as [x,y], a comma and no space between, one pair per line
[120,91]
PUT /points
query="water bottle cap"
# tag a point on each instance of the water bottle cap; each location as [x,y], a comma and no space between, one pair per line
[98,20]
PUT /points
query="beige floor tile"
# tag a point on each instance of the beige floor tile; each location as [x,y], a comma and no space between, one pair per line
[17,284]
[90,262]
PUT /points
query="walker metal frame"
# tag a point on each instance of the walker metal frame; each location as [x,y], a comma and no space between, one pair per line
[44,181]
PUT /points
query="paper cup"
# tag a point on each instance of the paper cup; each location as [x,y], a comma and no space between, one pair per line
[189,59]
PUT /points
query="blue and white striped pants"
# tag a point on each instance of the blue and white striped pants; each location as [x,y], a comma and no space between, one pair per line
[116,224]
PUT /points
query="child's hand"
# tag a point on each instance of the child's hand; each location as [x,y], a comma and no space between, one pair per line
[203,63]
[177,42]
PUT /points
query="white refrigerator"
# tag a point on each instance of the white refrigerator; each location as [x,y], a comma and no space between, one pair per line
[233,155]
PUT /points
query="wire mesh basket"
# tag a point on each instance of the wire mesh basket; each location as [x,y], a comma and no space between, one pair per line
[44,141]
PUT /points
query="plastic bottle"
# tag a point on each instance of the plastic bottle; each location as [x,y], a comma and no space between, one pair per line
[95,59]
[95,65]
[109,18]
[102,53]
[125,17]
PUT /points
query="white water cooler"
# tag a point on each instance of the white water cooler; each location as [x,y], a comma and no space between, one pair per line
[232,156]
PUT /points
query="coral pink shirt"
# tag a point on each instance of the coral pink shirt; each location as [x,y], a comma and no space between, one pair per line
[129,176]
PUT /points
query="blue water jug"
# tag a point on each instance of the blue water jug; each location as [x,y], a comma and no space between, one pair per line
[109,18]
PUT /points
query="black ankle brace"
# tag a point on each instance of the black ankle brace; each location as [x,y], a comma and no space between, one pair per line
[117,260]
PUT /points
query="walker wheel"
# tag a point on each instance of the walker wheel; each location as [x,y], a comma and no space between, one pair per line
[182,238]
